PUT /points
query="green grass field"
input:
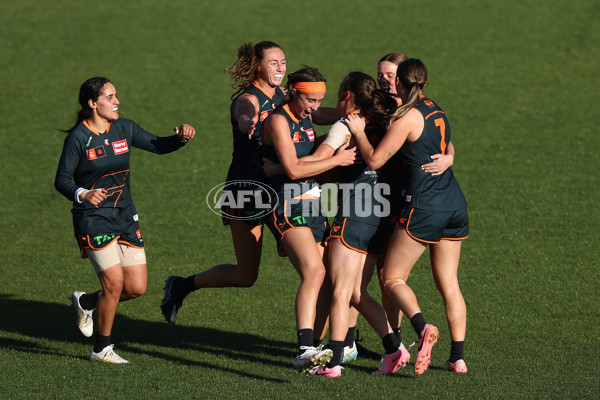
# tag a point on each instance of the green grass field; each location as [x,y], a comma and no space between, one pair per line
[519,83]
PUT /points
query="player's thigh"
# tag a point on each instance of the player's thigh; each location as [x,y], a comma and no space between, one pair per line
[403,253]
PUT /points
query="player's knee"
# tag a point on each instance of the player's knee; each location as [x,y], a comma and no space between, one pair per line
[314,275]
[247,280]
[390,284]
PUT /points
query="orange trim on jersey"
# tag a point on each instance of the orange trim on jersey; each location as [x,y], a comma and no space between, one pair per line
[310,87]
[257,85]
[290,113]
[87,125]
[435,112]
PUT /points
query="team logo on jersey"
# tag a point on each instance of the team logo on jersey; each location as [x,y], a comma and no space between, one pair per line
[311,134]
[97,152]
[264,115]
[120,147]
[297,137]
[106,142]
[429,103]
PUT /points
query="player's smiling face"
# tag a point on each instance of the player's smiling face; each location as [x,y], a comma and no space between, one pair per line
[107,105]
[273,66]
[386,76]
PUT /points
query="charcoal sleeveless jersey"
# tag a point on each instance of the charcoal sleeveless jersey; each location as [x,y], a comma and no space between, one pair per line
[423,190]
[303,135]
[360,181]
[295,208]
[95,160]
[391,175]
[243,164]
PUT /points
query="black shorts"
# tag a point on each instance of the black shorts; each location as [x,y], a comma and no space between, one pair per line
[431,226]
[359,236]
[97,228]
[298,214]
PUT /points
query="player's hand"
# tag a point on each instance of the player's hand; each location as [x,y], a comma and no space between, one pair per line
[247,124]
[95,196]
[356,124]
[185,132]
[345,155]
[269,167]
[440,163]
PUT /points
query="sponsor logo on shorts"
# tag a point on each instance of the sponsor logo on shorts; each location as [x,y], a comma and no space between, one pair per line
[100,239]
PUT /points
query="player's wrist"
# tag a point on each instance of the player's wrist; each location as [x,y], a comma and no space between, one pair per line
[80,194]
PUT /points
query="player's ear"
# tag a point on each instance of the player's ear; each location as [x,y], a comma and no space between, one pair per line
[91,104]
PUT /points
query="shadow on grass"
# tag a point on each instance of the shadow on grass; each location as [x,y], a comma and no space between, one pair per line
[57,322]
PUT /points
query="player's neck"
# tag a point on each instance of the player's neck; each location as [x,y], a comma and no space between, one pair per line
[98,124]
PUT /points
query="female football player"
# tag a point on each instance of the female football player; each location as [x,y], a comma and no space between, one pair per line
[93,172]
[434,211]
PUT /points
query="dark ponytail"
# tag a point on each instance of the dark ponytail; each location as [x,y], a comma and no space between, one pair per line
[90,89]
[412,74]
[375,102]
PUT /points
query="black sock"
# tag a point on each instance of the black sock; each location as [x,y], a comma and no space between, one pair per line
[349,341]
[305,337]
[89,301]
[184,286]
[457,351]
[418,323]
[316,342]
[101,342]
[390,343]
[337,346]
[398,333]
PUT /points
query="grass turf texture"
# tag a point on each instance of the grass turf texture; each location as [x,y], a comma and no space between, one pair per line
[518,81]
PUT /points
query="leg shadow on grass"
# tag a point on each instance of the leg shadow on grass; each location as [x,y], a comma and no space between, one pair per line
[53,321]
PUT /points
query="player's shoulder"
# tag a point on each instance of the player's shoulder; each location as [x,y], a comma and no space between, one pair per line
[123,122]
[125,125]
[78,133]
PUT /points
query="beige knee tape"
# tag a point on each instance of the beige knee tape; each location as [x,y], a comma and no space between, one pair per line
[389,285]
